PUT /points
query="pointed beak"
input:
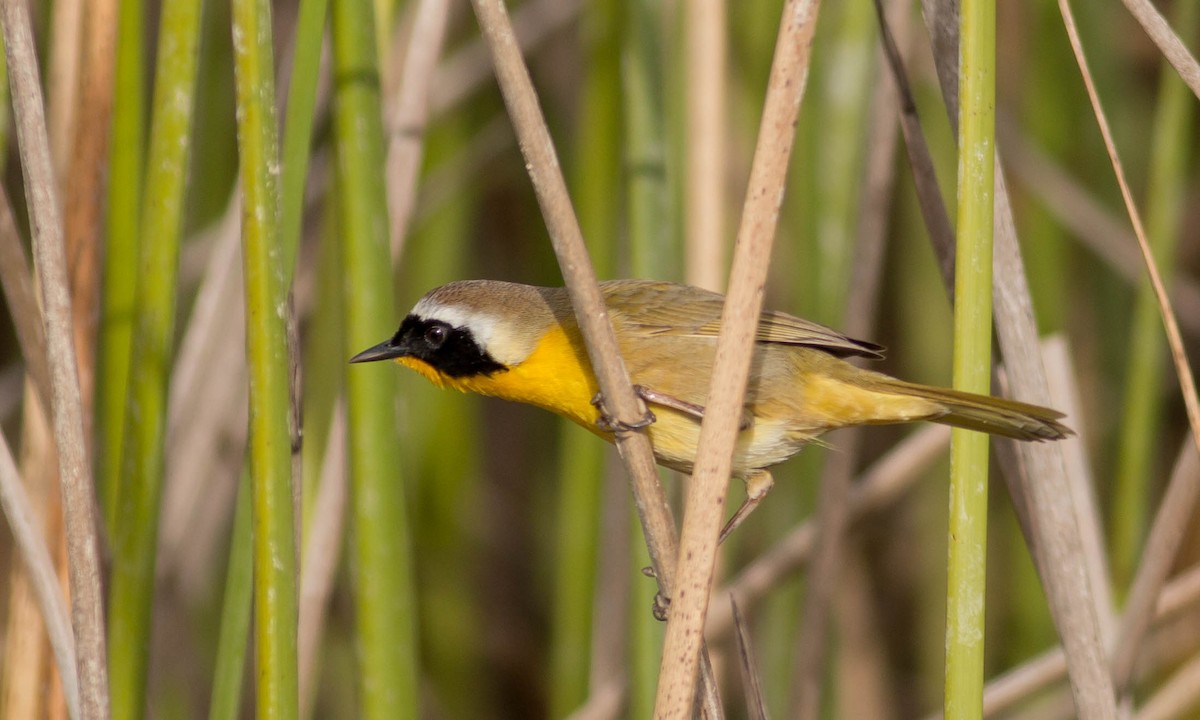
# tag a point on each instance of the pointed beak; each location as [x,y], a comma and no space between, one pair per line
[383,351]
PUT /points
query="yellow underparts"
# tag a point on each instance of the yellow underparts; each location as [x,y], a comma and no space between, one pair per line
[555,377]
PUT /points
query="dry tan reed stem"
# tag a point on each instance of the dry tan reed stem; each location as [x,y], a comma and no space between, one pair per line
[75,473]
[1172,48]
[704,179]
[409,113]
[84,187]
[580,277]
[321,555]
[731,367]
[31,544]
[1184,489]
[1175,513]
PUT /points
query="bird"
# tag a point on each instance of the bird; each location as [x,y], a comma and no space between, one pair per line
[522,343]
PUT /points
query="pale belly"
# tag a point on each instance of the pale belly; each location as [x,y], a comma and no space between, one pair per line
[676,436]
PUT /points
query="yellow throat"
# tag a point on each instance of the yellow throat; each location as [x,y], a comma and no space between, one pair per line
[556,376]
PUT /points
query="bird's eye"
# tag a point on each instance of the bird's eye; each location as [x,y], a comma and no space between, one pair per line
[435,336]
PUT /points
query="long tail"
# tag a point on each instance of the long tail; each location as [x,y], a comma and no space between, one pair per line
[998,416]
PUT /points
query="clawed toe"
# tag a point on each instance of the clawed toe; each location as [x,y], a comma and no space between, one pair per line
[607,423]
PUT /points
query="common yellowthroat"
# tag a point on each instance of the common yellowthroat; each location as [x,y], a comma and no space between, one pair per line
[522,343]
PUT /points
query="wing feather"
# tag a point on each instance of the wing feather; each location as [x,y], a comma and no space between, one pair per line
[663,308]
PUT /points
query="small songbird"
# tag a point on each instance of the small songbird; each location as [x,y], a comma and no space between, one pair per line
[522,343]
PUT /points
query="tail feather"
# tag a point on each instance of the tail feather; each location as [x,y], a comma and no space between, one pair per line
[998,416]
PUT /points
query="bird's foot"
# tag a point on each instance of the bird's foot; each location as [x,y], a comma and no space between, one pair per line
[607,423]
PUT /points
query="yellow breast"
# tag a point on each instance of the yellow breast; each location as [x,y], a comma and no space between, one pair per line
[556,376]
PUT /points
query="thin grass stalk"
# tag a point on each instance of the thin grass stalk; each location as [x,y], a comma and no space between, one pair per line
[652,254]
[1178,488]
[709,483]
[64,68]
[267,354]
[50,260]
[23,683]
[408,115]
[84,192]
[704,180]
[651,250]
[1171,149]
[31,545]
[297,132]
[1175,512]
[967,562]
[381,553]
[235,610]
[1169,44]
[581,459]
[142,456]
[120,253]
[567,240]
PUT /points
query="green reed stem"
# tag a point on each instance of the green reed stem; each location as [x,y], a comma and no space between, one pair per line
[120,253]
[144,434]
[235,612]
[297,136]
[275,577]
[380,550]
[967,563]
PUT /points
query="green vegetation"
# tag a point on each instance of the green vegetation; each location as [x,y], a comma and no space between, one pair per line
[482,559]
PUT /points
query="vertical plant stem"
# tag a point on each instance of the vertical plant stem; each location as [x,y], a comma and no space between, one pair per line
[381,554]
[235,611]
[142,455]
[267,355]
[297,136]
[597,174]
[704,181]
[84,190]
[649,223]
[709,483]
[1171,148]
[75,473]
[121,253]
[409,114]
[30,541]
[652,252]
[1055,536]
[967,563]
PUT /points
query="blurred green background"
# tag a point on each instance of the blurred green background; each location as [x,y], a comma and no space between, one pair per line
[511,530]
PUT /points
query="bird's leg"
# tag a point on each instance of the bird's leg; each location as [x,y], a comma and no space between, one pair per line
[607,423]
[654,397]
[758,484]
